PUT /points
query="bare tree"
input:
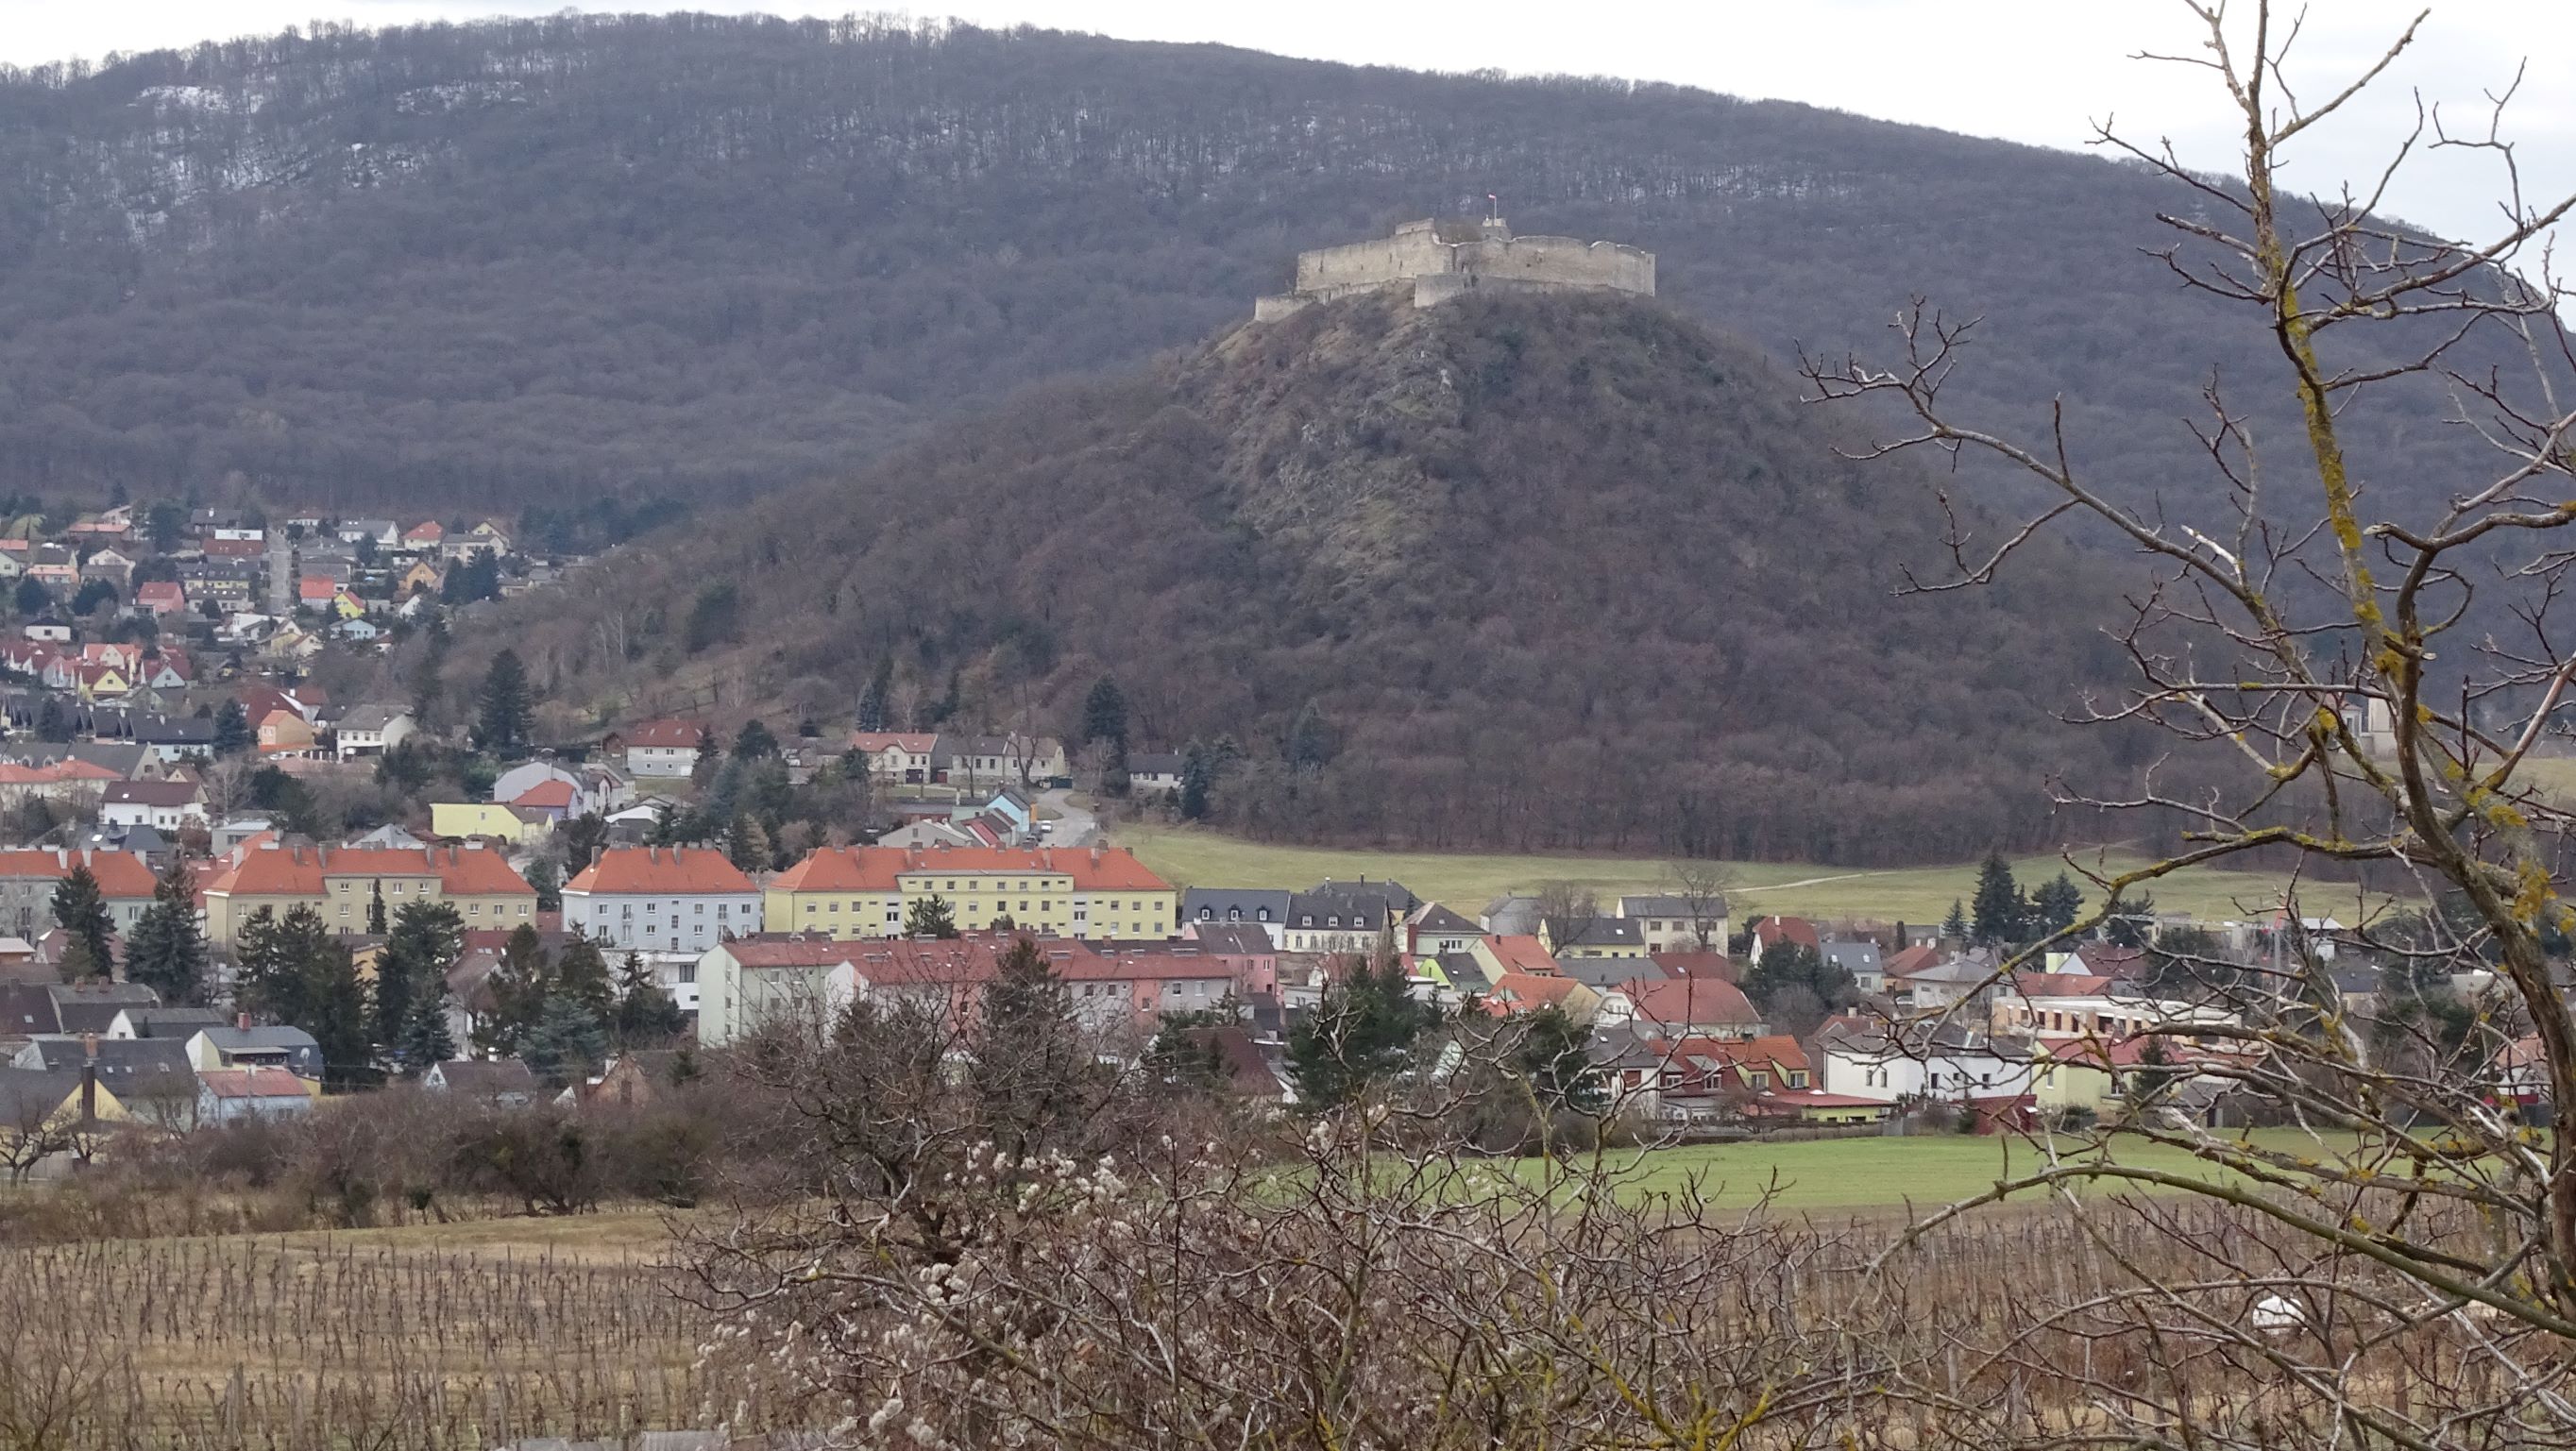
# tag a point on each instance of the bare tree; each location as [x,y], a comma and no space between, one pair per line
[1566,913]
[1701,887]
[2355,670]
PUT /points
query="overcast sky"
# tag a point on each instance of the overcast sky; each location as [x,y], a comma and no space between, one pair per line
[2031,70]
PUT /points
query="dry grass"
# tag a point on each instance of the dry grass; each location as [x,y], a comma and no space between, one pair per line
[1466,881]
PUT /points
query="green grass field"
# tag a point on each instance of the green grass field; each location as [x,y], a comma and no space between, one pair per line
[1466,881]
[1876,1173]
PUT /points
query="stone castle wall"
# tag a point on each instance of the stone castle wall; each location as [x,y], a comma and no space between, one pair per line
[1488,259]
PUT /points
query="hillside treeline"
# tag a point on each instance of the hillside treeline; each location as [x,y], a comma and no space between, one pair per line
[1534,573]
[543,261]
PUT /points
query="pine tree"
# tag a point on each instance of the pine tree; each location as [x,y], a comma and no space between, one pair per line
[1104,715]
[518,989]
[646,1015]
[376,911]
[1997,909]
[879,697]
[77,963]
[1310,739]
[1361,1035]
[336,1011]
[1955,926]
[1197,775]
[581,978]
[2056,905]
[165,951]
[426,941]
[232,730]
[547,882]
[754,741]
[746,844]
[80,909]
[564,1044]
[424,1037]
[506,717]
[929,917]
[1030,1064]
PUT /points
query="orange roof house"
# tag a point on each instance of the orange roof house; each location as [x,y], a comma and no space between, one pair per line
[341,883]
[867,891]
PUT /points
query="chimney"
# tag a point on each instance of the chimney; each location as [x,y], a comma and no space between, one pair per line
[242,1021]
[89,1046]
[89,1092]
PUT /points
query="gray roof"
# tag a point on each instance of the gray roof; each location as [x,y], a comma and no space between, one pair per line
[1233,904]
[482,1076]
[294,1045]
[29,1096]
[1433,918]
[121,1061]
[1605,932]
[1513,915]
[1860,959]
[1155,763]
[1333,911]
[1398,898]
[370,717]
[1602,972]
[1669,906]
[176,1024]
[1233,937]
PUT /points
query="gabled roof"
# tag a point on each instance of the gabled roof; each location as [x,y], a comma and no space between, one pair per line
[546,793]
[487,1076]
[684,734]
[1694,964]
[1690,1001]
[669,871]
[798,950]
[1772,931]
[912,743]
[1439,921]
[120,874]
[152,793]
[1524,990]
[880,869]
[1521,954]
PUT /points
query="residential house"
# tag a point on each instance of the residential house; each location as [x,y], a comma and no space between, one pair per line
[996,760]
[1432,930]
[1079,892]
[746,982]
[1520,992]
[341,883]
[1126,989]
[1511,915]
[1337,923]
[502,1081]
[458,820]
[1861,960]
[663,748]
[161,598]
[1694,1007]
[174,1024]
[28,878]
[1620,937]
[51,1112]
[1231,906]
[150,1077]
[516,782]
[283,732]
[1772,932]
[1936,981]
[1155,771]
[425,536]
[1691,1080]
[662,899]
[1678,924]
[385,533]
[162,805]
[113,566]
[243,1046]
[2109,1016]
[424,577]
[1502,954]
[371,730]
[896,757]
[227,1095]
[550,801]
[1248,951]
[1943,1062]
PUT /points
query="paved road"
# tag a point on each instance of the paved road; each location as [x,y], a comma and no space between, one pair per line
[1073,825]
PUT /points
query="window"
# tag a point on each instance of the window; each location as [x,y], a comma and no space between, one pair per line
[812,908]
[344,909]
[474,909]
[398,889]
[836,909]
[702,909]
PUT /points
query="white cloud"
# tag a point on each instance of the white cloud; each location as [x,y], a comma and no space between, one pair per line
[2029,70]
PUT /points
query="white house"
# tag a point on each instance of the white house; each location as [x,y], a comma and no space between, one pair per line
[741,984]
[164,806]
[664,748]
[1864,1061]
[661,899]
[372,730]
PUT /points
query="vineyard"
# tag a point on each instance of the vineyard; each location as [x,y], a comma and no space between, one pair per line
[386,1341]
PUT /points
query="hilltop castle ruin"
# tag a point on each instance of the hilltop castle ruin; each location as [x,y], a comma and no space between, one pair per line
[1446,260]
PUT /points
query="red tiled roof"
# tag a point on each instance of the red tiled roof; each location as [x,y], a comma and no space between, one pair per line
[297,871]
[429,531]
[1521,953]
[1683,1001]
[667,733]
[55,772]
[1912,959]
[119,873]
[771,951]
[317,587]
[251,1083]
[878,868]
[1695,964]
[2059,984]
[548,792]
[1527,990]
[1773,930]
[665,870]
[913,742]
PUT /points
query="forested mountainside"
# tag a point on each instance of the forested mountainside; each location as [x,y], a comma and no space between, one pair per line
[1537,572]
[549,263]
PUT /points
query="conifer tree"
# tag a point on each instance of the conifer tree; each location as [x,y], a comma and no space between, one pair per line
[376,911]
[646,1015]
[165,951]
[1104,715]
[1361,1035]
[1955,926]
[505,716]
[426,941]
[929,917]
[232,730]
[80,909]
[1997,909]
[874,705]
[2056,905]
[1030,1066]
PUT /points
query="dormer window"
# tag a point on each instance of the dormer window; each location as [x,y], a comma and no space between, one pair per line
[1262,914]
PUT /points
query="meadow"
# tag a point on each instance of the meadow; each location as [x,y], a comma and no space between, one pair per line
[1465,881]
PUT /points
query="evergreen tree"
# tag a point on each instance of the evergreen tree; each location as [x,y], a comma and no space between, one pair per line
[929,917]
[1104,715]
[1030,1064]
[165,952]
[232,730]
[646,1015]
[376,911]
[424,1037]
[1996,911]
[506,716]
[754,741]
[874,705]
[426,941]
[2130,921]
[564,1044]
[336,1011]
[1795,968]
[1197,775]
[80,909]
[2056,905]
[710,756]
[31,597]
[581,978]
[1555,1056]
[746,844]
[1310,739]
[1955,926]
[1361,1035]
[547,881]
[78,963]
[518,989]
